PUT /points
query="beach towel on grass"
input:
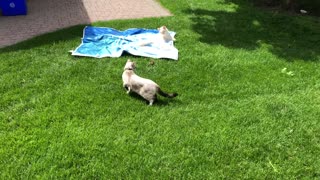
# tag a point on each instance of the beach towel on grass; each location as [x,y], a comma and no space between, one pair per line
[102,42]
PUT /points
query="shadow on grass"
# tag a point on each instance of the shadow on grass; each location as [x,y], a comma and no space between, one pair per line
[288,37]
[74,32]
[159,102]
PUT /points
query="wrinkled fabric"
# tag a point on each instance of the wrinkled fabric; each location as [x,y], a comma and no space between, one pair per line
[102,42]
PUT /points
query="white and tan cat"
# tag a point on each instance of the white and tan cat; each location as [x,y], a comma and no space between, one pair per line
[161,38]
[164,32]
[144,87]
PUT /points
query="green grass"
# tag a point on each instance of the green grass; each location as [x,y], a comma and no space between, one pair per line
[237,115]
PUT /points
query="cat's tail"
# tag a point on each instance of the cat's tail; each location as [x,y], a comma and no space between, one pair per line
[168,95]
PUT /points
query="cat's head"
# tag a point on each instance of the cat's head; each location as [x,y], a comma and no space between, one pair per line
[162,29]
[129,65]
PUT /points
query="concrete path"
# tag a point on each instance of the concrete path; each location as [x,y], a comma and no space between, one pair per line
[50,15]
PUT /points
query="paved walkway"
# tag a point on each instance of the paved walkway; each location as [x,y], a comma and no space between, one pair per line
[50,15]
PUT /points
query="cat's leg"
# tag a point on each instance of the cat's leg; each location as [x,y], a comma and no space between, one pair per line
[127,87]
[153,99]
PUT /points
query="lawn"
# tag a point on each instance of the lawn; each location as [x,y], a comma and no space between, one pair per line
[239,114]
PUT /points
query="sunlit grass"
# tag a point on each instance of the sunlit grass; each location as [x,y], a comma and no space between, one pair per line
[238,114]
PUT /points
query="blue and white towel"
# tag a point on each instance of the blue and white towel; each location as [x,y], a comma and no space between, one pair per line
[102,42]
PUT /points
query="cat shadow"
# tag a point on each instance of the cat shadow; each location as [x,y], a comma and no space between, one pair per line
[159,102]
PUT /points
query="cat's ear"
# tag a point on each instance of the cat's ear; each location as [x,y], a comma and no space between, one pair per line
[128,60]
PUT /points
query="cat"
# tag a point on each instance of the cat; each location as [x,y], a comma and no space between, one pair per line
[162,37]
[144,87]
[164,32]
